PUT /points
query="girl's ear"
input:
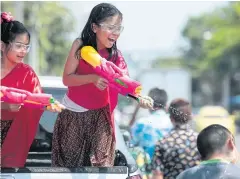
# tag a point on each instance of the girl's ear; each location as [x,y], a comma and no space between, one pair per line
[94,27]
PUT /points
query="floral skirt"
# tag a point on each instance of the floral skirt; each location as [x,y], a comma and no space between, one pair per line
[83,139]
[5,126]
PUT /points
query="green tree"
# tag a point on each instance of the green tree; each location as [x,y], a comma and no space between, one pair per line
[214,40]
[52,23]
[214,45]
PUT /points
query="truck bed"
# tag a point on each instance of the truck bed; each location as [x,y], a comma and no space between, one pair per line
[65,173]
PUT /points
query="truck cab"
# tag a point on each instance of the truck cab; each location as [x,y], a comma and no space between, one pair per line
[38,164]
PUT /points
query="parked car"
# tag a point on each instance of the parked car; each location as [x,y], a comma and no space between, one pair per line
[39,158]
[209,115]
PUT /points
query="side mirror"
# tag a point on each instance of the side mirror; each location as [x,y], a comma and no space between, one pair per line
[120,159]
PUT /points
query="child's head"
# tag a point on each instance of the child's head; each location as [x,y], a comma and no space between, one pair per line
[103,27]
[15,39]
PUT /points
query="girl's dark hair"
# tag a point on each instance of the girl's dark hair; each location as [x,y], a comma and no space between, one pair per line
[99,14]
[10,29]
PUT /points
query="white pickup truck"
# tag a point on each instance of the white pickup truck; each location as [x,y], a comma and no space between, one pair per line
[38,165]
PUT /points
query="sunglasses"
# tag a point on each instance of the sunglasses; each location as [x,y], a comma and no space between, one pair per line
[17,46]
[112,28]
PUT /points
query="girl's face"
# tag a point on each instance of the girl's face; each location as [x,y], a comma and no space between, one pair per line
[16,51]
[108,31]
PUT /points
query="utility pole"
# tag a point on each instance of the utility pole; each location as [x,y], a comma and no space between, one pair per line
[226,85]
[33,54]
[19,10]
[226,90]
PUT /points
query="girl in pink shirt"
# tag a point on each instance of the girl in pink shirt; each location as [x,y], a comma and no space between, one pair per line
[84,132]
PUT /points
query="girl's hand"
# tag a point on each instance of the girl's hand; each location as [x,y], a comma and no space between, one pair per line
[100,82]
[14,107]
[11,107]
[116,68]
[56,107]
[146,102]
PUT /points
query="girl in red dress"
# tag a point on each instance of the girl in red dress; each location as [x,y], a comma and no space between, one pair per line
[84,132]
[18,124]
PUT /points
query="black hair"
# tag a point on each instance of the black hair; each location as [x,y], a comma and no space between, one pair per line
[180,111]
[159,97]
[11,29]
[212,139]
[99,14]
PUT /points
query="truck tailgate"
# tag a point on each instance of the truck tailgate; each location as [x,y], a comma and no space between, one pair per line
[65,173]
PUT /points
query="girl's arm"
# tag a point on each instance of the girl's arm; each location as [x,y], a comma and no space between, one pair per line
[132,121]
[70,78]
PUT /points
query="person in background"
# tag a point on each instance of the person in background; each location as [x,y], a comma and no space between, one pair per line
[177,151]
[218,151]
[141,157]
[148,130]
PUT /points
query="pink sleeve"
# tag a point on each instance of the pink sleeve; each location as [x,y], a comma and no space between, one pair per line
[31,83]
[121,63]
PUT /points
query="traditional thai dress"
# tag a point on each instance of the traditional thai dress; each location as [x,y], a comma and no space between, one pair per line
[18,129]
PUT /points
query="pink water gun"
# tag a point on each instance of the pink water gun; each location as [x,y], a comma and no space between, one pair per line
[23,97]
[108,70]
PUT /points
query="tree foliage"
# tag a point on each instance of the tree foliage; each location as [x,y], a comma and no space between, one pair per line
[214,40]
[52,24]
